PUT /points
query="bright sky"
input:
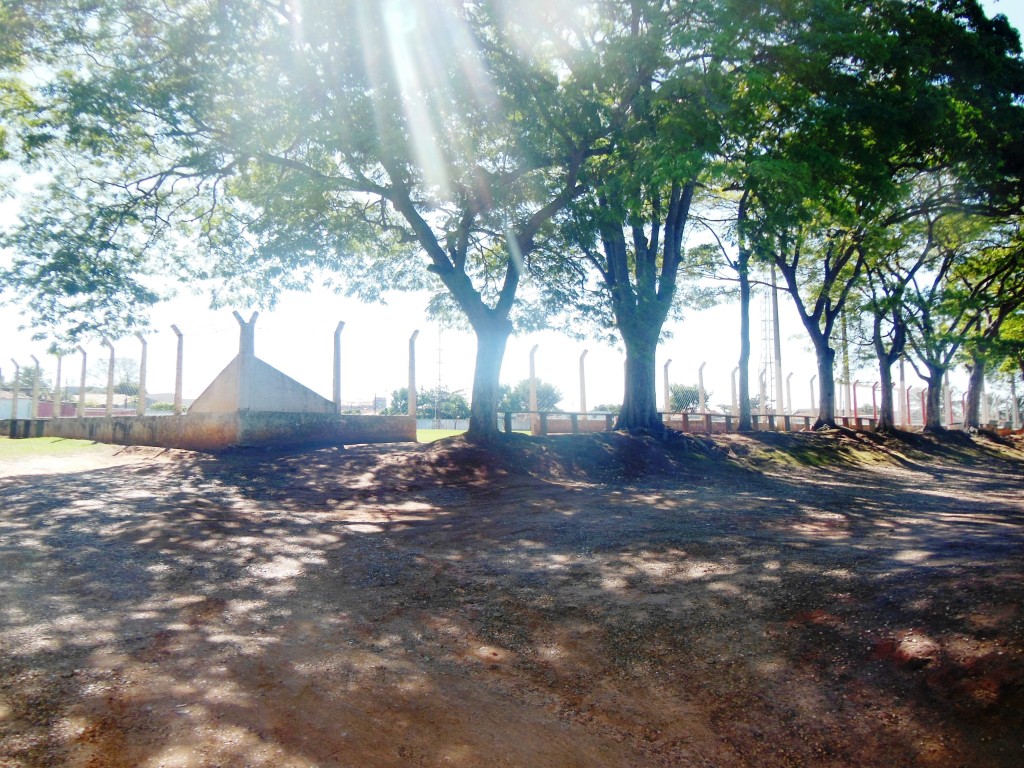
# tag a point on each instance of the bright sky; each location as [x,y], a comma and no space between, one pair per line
[298,336]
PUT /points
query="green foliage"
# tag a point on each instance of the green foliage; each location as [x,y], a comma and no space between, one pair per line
[441,403]
[437,403]
[685,398]
[516,399]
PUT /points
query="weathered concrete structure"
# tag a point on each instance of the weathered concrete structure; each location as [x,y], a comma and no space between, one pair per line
[249,404]
[217,431]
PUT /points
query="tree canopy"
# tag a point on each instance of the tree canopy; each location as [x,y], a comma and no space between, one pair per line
[516,158]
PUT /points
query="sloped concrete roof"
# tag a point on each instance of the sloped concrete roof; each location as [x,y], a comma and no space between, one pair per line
[249,384]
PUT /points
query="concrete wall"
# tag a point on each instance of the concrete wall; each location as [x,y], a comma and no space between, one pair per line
[206,431]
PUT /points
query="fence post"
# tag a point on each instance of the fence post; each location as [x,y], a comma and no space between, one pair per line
[58,399]
[34,413]
[533,394]
[81,386]
[140,395]
[702,400]
[337,366]
[508,422]
[574,419]
[110,378]
[665,389]
[412,373]
[14,391]
[583,384]
[177,370]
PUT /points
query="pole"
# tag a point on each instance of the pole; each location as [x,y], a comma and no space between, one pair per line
[108,409]
[534,416]
[702,403]
[986,413]
[412,373]
[874,401]
[813,378]
[140,402]
[789,394]
[666,390]
[34,413]
[904,414]
[778,345]
[735,396]
[856,413]
[583,383]
[949,402]
[58,399]
[337,366]
[81,387]
[178,370]
[14,389]
[1015,405]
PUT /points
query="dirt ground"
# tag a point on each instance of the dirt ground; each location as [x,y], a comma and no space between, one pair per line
[807,600]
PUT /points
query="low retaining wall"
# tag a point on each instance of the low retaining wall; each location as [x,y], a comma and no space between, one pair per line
[208,431]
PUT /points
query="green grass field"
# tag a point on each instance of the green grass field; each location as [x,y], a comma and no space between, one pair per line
[430,435]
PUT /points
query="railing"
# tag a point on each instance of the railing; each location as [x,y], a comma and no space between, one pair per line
[569,422]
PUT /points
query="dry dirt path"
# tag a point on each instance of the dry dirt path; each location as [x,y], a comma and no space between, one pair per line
[433,606]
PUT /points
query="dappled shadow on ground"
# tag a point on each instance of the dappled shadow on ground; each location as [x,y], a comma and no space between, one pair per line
[576,601]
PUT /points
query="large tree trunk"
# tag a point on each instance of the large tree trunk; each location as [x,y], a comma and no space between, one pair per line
[975,385]
[826,358]
[887,416]
[639,403]
[886,412]
[744,424]
[933,400]
[491,339]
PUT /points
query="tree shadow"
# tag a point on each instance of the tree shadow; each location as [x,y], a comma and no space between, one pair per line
[455,604]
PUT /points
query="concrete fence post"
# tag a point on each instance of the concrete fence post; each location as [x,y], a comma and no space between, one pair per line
[412,373]
[1014,404]
[735,395]
[337,366]
[534,420]
[178,365]
[109,407]
[58,398]
[948,401]
[702,400]
[34,413]
[856,411]
[583,383]
[140,402]
[665,389]
[813,379]
[81,385]
[986,411]
[789,393]
[14,389]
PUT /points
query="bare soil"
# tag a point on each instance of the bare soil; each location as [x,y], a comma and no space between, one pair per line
[770,600]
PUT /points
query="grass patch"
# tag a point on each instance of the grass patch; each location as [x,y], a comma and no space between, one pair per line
[430,435]
[30,447]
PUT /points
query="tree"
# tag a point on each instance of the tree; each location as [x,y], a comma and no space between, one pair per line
[342,138]
[442,403]
[685,398]
[399,403]
[517,399]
